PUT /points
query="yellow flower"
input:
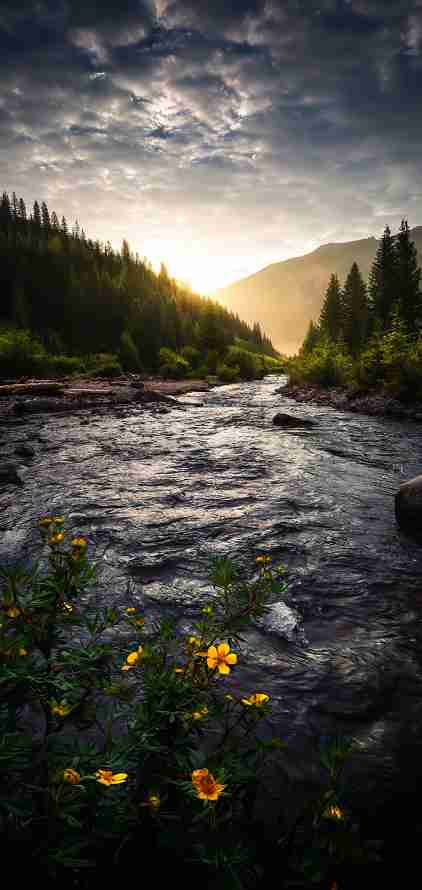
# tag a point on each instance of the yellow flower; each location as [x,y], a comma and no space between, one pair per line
[56,539]
[67,607]
[13,612]
[79,543]
[71,776]
[107,777]
[334,812]
[138,622]
[130,611]
[192,644]
[179,670]
[200,714]
[58,520]
[263,559]
[256,700]
[22,651]
[154,801]
[219,657]
[228,697]
[133,659]
[45,521]
[207,610]
[205,786]
[62,709]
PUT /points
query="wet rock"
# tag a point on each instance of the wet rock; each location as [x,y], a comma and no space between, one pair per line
[24,450]
[9,474]
[408,506]
[288,421]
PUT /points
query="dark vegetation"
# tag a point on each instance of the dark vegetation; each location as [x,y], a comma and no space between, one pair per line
[70,305]
[369,335]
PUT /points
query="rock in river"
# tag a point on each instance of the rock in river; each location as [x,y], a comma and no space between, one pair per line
[409,505]
[9,474]
[288,421]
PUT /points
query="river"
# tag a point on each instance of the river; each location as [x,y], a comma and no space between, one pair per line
[158,495]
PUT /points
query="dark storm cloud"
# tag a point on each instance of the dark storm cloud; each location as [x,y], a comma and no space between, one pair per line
[272,124]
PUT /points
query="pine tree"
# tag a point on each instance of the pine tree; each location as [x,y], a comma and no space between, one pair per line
[5,213]
[408,296]
[312,339]
[45,216]
[22,210]
[330,320]
[383,282]
[55,225]
[64,228]
[36,214]
[355,311]
[15,207]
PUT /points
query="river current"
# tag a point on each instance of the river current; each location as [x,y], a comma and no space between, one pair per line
[159,495]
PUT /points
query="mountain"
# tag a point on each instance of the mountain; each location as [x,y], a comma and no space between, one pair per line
[285,296]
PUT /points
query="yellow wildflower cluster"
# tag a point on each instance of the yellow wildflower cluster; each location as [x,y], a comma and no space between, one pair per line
[71,776]
[334,812]
[67,608]
[55,539]
[62,708]
[263,560]
[205,785]
[107,777]
[134,659]
[256,700]
[13,612]
[199,714]
[219,658]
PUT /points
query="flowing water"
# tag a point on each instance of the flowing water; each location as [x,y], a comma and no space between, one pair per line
[159,495]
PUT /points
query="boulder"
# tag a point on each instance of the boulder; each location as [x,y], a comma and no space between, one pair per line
[24,450]
[9,474]
[288,421]
[408,505]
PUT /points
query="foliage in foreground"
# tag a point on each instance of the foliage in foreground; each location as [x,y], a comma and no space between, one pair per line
[105,753]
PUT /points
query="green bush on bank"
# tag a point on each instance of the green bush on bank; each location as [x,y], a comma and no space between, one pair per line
[141,745]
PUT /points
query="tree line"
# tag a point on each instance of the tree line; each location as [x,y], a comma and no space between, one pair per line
[78,296]
[370,333]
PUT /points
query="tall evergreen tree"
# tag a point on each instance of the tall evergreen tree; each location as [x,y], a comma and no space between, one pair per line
[55,225]
[383,282]
[312,339]
[355,311]
[22,210]
[15,207]
[408,295]
[5,213]
[36,214]
[45,217]
[330,320]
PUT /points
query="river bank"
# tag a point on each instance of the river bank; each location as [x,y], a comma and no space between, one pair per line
[375,404]
[88,393]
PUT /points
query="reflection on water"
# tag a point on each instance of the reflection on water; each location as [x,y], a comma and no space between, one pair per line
[159,495]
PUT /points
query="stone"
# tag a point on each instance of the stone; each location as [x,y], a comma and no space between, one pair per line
[288,421]
[24,450]
[9,474]
[408,506]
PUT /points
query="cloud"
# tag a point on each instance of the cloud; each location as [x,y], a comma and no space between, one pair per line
[264,128]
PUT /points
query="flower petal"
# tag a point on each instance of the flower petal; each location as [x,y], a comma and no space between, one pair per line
[231,659]
[212,652]
[223,648]
[223,668]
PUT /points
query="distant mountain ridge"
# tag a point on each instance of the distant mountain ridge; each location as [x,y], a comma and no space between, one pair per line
[284,296]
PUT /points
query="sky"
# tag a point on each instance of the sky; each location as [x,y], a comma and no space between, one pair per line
[218,136]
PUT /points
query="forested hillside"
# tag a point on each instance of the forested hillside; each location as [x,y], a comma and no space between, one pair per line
[78,297]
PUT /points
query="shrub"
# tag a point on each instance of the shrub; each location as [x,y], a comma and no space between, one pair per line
[103,364]
[172,365]
[128,353]
[143,748]
[20,354]
[250,364]
[63,365]
[326,366]
[228,374]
